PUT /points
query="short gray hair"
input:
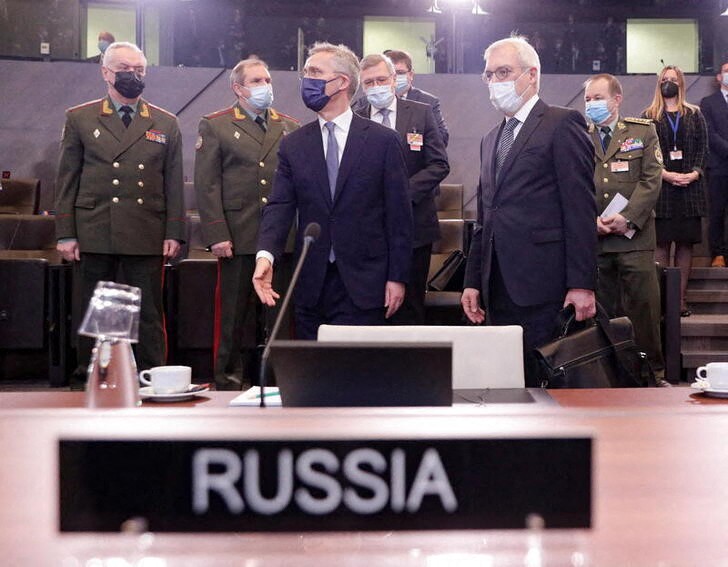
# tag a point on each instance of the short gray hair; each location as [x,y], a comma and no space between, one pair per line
[109,53]
[375,59]
[527,55]
[237,75]
[345,61]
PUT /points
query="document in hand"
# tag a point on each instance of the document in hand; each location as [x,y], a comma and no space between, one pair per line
[617,205]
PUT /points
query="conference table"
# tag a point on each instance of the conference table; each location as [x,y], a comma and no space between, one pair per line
[660,481]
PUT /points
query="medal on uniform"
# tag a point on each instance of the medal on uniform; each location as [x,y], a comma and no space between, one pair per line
[198,144]
[97,133]
[156,136]
[236,135]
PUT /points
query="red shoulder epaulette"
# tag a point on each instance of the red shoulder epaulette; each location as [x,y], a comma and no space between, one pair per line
[84,105]
[277,114]
[217,113]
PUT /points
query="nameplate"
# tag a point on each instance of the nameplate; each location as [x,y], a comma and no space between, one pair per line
[342,485]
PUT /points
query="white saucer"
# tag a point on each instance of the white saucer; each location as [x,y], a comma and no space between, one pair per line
[147,393]
[716,392]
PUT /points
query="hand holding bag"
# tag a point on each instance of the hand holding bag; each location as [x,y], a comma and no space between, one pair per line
[601,355]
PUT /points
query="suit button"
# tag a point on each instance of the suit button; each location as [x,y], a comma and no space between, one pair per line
[141,166]
[606,165]
[115,182]
[115,200]
[141,184]
[264,200]
[261,164]
[606,195]
[115,164]
[263,182]
[140,201]
[605,180]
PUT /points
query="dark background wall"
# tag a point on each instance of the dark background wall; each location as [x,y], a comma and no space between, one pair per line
[34,96]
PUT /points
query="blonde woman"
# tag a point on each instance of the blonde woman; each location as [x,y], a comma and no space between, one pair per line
[684,143]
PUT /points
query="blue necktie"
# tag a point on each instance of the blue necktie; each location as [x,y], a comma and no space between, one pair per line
[332,158]
[332,167]
[505,144]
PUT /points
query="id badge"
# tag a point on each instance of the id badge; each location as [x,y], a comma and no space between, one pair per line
[415,141]
[619,166]
[676,155]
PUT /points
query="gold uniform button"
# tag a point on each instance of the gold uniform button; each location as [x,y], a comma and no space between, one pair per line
[141,166]
[115,200]
[264,200]
[140,201]
[606,195]
[115,182]
[262,164]
[606,165]
[606,180]
[141,184]
[115,164]
[263,182]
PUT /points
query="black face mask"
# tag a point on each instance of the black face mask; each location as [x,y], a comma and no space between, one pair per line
[669,89]
[128,84]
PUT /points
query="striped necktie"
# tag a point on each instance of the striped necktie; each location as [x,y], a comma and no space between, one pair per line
[505,144]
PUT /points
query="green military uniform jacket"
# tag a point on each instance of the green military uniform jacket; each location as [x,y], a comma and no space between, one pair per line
[119,190]
[234,167]
[632,166]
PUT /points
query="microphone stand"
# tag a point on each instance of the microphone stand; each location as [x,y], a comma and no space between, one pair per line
[307,241]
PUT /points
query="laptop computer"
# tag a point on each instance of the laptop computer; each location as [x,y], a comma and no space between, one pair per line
[315,374]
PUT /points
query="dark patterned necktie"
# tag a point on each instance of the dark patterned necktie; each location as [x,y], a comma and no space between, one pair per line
[505,144]
[126,115]
[606,137]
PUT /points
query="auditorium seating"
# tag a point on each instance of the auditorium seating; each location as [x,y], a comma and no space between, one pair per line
[20,196]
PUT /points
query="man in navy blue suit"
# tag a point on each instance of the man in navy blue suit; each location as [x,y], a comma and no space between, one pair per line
[534,247]
[347,174]
[715,110]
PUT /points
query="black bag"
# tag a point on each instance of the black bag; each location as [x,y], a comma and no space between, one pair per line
[601,355]
[451,274]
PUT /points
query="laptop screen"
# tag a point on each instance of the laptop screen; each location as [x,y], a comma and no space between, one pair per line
[315,374]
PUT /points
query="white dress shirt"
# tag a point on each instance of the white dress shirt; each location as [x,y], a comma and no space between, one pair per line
[376,115]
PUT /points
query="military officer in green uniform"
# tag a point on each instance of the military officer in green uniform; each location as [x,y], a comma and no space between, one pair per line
[627,177]
[119,200]
[235,161]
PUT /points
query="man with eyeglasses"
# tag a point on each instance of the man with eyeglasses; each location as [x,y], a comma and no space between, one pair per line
[533,250]
[427,166]
[403,87]
[119,199]
[348,175]
[235,160]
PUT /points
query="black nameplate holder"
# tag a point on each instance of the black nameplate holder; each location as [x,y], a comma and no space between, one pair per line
[304,486]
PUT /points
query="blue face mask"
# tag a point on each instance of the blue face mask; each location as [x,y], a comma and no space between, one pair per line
[313,92]
[260,97]
[380,96]
[597,111]
[102,45]
[401,85]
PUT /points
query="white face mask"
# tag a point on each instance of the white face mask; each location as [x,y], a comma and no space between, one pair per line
[725,79]
[504,97]
[260,97]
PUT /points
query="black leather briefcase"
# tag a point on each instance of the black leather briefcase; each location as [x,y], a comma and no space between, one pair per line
[602,354]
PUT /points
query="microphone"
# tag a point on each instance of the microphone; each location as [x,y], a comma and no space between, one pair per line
[310,235]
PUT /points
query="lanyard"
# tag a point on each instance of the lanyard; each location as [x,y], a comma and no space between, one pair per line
[674,126]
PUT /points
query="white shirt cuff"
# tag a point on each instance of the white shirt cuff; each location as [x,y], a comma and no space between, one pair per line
[264,254]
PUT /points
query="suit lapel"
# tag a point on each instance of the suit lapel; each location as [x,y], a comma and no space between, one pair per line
[316,141]
[533,120]
[619,135]
[274,132]
[353,150]
[488,155]
[109,119]
[597,141]
[247,126]
[404,118]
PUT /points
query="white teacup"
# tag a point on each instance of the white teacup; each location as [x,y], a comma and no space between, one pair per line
[167,379]
[716,373]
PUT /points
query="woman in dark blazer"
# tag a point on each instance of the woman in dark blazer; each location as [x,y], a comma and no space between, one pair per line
[684,143]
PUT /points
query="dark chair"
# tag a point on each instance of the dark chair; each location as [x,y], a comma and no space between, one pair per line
[20,196]
[449,201]
[443,307]
[28,236]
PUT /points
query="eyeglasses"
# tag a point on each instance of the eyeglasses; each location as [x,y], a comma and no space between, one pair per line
[501,73]
[379,81]
[138,70]
[668,80]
